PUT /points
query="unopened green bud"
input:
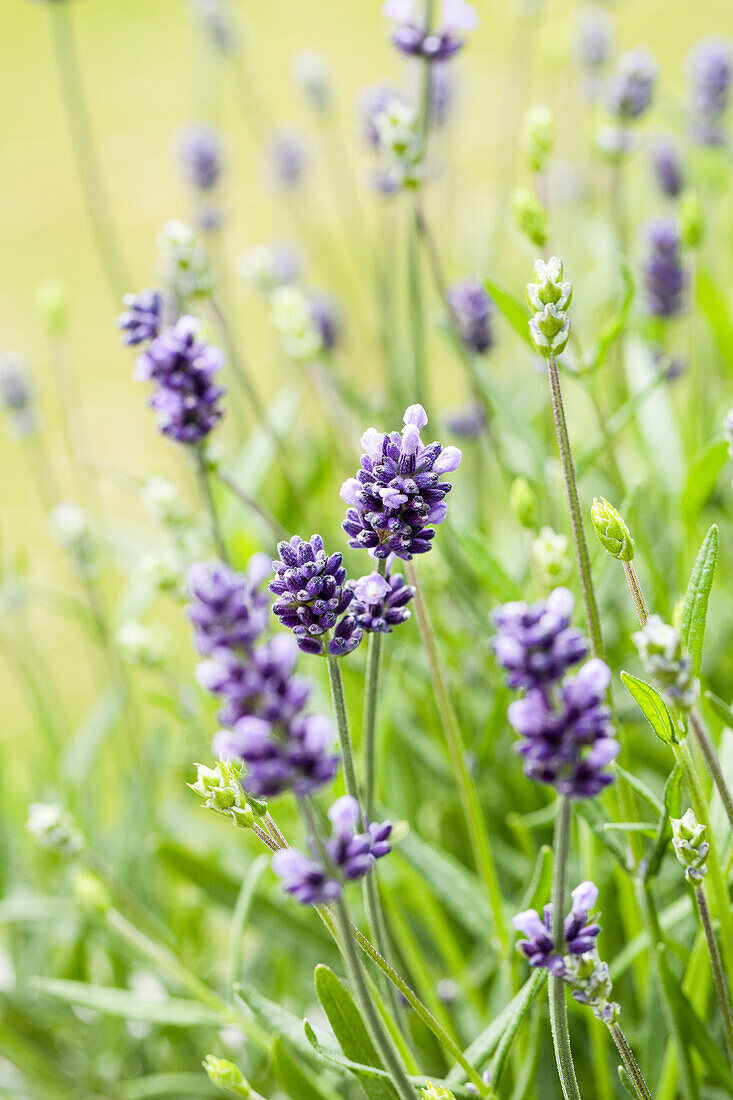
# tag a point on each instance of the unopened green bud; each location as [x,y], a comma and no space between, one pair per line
[538,136]
[523,503]
[547,286]
[550,331]
[54,828]
[692,224]
[690,846]
[530,217]
[436,1092]
[613,534]
[551,558]
[226,1076]
[221,790]
[52,302]
[91,893]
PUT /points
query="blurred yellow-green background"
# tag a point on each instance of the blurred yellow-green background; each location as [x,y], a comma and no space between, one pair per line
[147,73]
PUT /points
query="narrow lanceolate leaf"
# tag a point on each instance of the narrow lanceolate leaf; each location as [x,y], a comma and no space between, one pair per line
[672,808]
[721,709]
[592,813]
[296,1080]
[350,1030]
[486,1043]
[170,1011]
[457,888]
[652,706]
[702,478]
[616,325]
[693,1028]
[278,1019]
[695,610]
[513,309]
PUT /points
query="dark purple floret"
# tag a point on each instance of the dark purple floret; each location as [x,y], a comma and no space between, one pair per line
[305,879]
[632,85]
[568,741]
[668,167]
[664,276]
[325,316]
[200,153]
[312,596]
[260,682]
[398,495]
[535,643]
[472,310]
[227,609]
[142,316]
[579,936]
[380,603]
[186,398]
[411,37]
[710,67]
[16,394]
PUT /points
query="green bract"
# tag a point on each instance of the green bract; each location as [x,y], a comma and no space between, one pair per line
[613,534]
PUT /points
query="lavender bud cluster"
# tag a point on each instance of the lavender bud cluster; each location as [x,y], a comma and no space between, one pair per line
[200,150]
[690,846]
[631,87]
[397,495]
[380,603]
[579,936]
[413,38]
[550,297]
[664,275]
[710,68]
[567,737]
[472,310]
[17,396]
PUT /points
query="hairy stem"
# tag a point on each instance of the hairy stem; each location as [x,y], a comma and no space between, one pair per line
[470,803]
[636,592]
[558,1005]
[711,762]
[582,556]
[716,964]
[371,695]
[630,1063]
[342,726]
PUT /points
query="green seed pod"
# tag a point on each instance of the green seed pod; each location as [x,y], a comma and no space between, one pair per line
[692,225]
[613,534]
[226,1076]
[537,136]
[530,217]
[523,503]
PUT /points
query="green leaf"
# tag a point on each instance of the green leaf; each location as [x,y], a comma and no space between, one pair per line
[529,991]
[713,305]
[592,813]
[295,1080]
[721,709]
[615,327]
[695,609]
[241,912]
[169,1011]
[702,477]
[81,751]
[456,886]
[672,808]
[349,1028]
[693,1028]
[278,1019]
[485,1044]
[652,706]
[166,1084]
[626,1083]
[540,884]
[513,309]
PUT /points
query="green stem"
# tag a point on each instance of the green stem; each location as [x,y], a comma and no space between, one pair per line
[558,1004]
[716,964]
[90,173]
[576,516]
[417,320]
[630,1063]
[637,594]
[371,694]
[207,494]
[342,726]
[382,1042]
[711,762]
[470,803]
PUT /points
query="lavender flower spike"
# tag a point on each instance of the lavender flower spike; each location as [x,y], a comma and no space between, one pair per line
[632,85]
[668,167]
[579,935]
[200,153]
[226,609]
[472,311]
[536,643]
[305,879]
[142,316]
[411,37]
[710,67]
[397,495]
[380,602]
[664,275]
[313,597]
[186,398]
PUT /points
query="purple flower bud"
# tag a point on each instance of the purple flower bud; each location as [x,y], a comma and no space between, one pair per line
[287,158]
[380,602]
[668,167]
[632,85]
[200,154]
[664,276]
[412,38]
[226,608]
[472,310]
[305,879]
[142,316]
[579,936]
[536,643]
[325,316]
[710,68]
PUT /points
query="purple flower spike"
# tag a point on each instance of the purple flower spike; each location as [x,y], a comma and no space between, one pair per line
[142,316]
[536,643]
[668,167]
[397,494]
[664,275]
[579,936]
[186,398]
[200,154]
[410,36]
[632,86]
[325,316]
[280,756]
[227,609]
[312,596]
[380,603]
[287,158]
[259,682]
[710,67]
[472,310]
[305,879]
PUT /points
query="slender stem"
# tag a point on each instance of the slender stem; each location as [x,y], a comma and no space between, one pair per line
[342,725]
[274,829]
[207,494]
[576,516]
[716,964]
[417,320]
[382,1041]
[558,1005]
[275,527]
[423,1012]
[711,762]
[636,592]
[371,695]
[470,802]
[85,153]
[630,1063]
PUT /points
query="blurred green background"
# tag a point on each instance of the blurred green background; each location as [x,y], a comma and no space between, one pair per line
[147,73]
